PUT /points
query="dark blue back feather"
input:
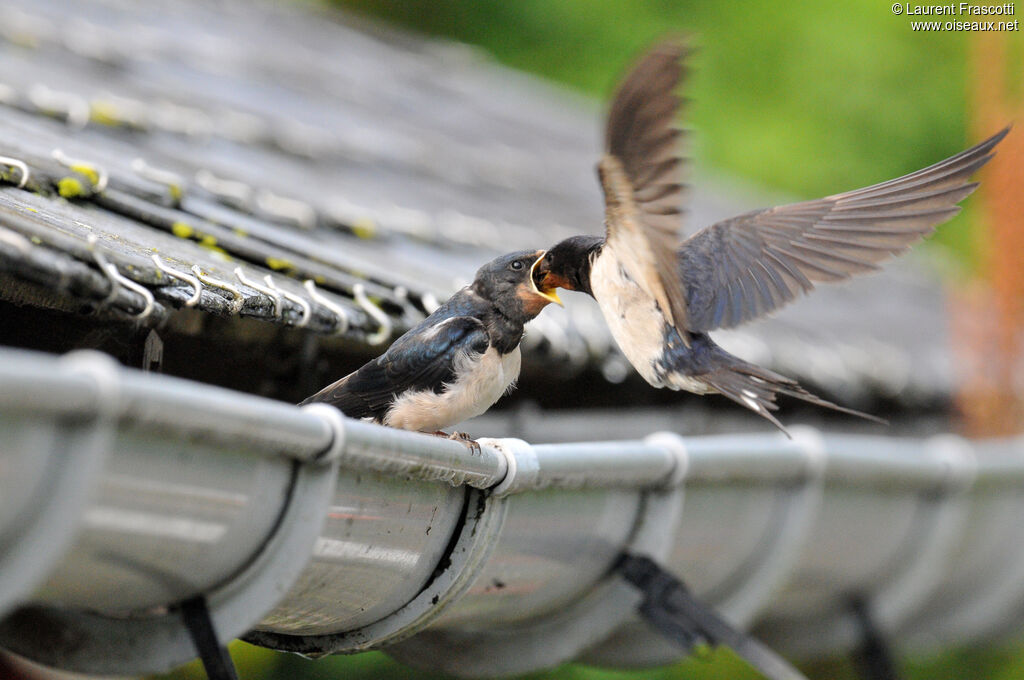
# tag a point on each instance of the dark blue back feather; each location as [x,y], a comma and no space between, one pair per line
[422,359]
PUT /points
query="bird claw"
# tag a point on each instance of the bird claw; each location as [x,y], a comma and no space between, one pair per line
[470,443]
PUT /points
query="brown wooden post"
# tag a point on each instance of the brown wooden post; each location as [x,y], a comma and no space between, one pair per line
[988,318]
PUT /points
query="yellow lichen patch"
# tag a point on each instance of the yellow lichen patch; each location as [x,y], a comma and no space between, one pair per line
[69,187]
[182,230]
[209,242]
[23,39]
[176,192]
[278,264]
[38,241]
[319,279]
[205,241]
[219,253]
[364,227]
[242,233]
[87,171]
[104,113]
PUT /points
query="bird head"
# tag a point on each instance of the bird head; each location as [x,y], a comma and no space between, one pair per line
[567,264]
[508,282]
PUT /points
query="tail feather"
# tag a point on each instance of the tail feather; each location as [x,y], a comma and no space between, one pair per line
[757,388]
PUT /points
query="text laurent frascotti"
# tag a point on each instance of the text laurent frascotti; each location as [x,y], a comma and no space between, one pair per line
[960,9]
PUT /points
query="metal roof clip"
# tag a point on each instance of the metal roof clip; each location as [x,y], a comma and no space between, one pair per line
[75,109]
[429,302]
[376,313]
[402,293]
[236,305]
[97,175]
[307,309]
[228,190]
[21,167]
[117,280]
[271,293]
[196,284]
[174,182]
[338,310]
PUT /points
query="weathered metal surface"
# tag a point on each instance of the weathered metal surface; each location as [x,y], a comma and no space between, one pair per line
[982,586]
[381,541]
[50,462]
[406,454]
[476,534]
[169,518]
[509,647]
[157,640]
[916,527]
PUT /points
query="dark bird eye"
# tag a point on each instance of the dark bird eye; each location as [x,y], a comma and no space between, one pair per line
[517,265]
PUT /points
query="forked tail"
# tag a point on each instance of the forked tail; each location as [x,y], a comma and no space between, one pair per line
[757,388]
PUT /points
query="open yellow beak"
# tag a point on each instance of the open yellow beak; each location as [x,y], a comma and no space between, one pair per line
[549,294]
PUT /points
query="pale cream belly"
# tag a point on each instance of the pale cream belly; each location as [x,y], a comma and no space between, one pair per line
[636,323]
[484,379]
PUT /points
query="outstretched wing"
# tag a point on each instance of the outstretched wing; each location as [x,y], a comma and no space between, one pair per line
[640,175]
[747,266]
[422,359]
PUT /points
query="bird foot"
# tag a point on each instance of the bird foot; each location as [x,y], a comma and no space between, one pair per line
[470,443]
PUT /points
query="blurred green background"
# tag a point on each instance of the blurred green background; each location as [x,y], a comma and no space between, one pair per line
[808,98]
[805,98]
[259,664]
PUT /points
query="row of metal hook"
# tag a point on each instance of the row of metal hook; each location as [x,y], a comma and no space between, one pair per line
[197,279]
[547,329]
[268,202]
[100,183]
[555,335]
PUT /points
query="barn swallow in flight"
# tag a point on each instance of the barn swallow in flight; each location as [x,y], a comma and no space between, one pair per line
[457,362]
[660,298]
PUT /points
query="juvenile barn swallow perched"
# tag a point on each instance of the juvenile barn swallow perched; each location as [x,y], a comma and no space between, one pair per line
[661,298]
[457,362]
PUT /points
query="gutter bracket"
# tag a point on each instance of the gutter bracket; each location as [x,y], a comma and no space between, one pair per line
[336,422]
[750,591]
[212,652]
[522,465]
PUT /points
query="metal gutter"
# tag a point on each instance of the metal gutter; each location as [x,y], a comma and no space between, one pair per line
[123,494]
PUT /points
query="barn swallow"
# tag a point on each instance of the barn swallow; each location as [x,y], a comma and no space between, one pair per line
[457,362]
[660,298]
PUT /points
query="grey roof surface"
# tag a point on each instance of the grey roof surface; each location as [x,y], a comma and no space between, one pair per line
[299,144]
